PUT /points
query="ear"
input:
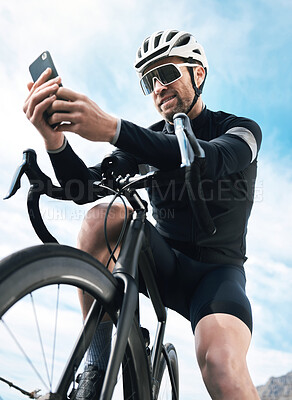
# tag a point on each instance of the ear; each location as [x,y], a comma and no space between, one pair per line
[199,74]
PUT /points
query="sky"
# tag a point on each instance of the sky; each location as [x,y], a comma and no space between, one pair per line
[93,44]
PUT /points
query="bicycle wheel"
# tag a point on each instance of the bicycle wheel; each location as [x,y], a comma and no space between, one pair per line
[40,319]
[164,389]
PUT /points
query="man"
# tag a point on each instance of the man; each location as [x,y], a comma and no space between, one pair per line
[200,277]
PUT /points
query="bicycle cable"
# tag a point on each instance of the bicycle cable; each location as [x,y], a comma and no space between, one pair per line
[124,226]
[121,235]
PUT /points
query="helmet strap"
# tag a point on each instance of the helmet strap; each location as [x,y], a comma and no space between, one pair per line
[198,91]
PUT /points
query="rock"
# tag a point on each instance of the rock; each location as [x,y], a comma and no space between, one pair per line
[277,388]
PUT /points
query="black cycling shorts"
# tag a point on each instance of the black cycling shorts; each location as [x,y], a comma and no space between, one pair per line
[195,289]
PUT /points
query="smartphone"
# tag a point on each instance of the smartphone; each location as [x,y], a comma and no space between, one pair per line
[43,62]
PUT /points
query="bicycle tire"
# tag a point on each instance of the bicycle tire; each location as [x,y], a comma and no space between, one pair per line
[163,389]
[28,271]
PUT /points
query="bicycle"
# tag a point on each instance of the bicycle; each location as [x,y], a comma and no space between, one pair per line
[134,371]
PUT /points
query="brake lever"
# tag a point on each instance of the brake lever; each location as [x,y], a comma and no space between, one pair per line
[35,175]
[15,183]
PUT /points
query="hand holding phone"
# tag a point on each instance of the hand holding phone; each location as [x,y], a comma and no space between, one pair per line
[74,112]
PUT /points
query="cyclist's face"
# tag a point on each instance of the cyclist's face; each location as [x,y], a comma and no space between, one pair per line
[175,97]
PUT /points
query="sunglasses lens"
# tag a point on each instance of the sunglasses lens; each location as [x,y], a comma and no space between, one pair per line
[166,74]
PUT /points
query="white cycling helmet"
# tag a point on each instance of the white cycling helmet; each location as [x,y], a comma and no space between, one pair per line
[166,44]
[173,43]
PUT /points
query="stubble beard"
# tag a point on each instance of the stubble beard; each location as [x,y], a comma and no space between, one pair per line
[181,107]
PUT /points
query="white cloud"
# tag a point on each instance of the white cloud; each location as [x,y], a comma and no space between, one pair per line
[80,32]
[264,363]
[269,289]
[271,219]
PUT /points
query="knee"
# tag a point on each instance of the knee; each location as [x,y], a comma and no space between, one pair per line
[92,223]
[221,370]
[92,230]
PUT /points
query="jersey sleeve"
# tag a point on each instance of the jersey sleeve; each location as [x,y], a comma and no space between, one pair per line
[73,174]
[149,147]
[231,152]
[234,150]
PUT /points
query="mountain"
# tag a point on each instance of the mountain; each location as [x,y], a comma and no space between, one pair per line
[277,388]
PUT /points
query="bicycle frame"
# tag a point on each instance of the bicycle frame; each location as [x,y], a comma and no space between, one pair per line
[131,262]
[126,272]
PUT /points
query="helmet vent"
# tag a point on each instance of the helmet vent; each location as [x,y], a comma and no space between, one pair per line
[182,41]
[157,39]
[146,45]
[170,35]
[169,43]
[151,56]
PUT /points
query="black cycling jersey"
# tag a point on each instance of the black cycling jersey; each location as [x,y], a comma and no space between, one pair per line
[231,145]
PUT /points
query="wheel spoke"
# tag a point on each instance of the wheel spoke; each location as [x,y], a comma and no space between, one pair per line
[40,322]
[40,340]
[55,334]
[24,353]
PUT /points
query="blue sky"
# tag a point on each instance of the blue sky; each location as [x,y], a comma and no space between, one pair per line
[93,43]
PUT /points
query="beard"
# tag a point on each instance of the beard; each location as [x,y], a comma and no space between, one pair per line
[182,106]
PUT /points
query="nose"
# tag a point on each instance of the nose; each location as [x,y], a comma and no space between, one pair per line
[158,86]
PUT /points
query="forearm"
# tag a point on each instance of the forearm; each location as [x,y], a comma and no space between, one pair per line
[77,178]
[72,173]
[150,147]
[224,155]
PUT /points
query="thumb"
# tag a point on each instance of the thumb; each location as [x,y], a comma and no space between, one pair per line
[30,85]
